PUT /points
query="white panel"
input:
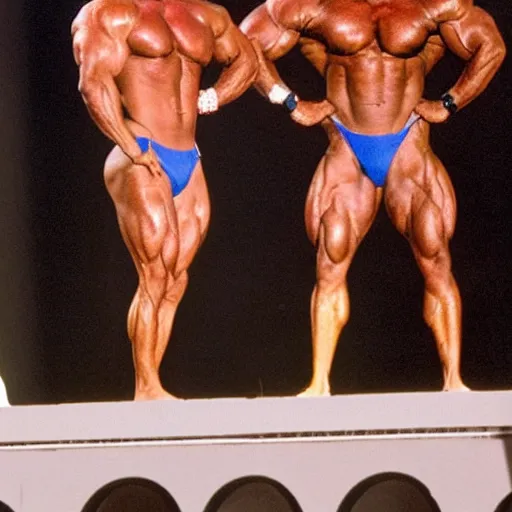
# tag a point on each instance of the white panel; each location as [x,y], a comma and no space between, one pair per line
[317,449]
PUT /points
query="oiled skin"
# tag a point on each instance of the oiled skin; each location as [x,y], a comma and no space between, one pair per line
[140,65]
[374,56]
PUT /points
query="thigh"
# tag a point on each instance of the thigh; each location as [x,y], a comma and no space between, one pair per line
[419,196]
[341,204]
[145,212]
[193,217]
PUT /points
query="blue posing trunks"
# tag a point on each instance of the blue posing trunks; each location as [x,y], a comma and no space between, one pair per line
[375,152]
[177,164]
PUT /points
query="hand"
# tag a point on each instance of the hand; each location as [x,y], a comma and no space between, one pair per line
[309,113]
[208,101]
[148,160]
[432,111]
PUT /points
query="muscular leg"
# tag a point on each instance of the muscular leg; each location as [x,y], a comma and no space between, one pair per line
[166,314]
[193,213]
[150,227]
[340,209]
[421,203]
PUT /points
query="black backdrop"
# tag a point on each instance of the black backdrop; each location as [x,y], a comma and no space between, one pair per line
[243,327]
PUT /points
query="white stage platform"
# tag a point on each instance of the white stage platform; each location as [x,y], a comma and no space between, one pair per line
[456,446]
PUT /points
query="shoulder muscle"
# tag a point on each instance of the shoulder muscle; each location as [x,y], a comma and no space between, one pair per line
[100,31]
[218,19]
[449,10]
[293,14]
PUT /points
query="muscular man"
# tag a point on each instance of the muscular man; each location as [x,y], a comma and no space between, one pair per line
[140,65]
[374,55]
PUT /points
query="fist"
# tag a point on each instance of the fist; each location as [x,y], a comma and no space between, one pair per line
[309,113]
[432,111]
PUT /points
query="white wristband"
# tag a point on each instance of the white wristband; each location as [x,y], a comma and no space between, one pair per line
[208,101]
[278,94]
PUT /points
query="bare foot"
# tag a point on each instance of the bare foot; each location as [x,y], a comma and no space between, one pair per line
[454,383]
[315,391]
[459,386]
[153,394]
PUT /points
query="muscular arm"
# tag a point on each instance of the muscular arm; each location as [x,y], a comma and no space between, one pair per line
[433,52]
[272,40]
[475,38]
[315,52]
[274,28]
[234,51]
[100,33]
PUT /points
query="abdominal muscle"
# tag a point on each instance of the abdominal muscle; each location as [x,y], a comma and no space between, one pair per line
[160,99]
[373,92]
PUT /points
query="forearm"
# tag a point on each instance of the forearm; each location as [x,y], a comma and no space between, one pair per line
[432,53]
[475,38]
[272,38]
[270,42]
[267,77]
[315,52]
[479,71]
[268,81]
[104,105]
[236,77]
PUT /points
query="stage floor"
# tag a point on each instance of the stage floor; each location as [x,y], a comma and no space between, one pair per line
[456,446]
[350,415]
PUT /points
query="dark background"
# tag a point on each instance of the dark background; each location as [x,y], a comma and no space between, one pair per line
[243,326]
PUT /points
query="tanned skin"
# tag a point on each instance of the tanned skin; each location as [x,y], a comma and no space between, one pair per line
[374,56]
[140,65]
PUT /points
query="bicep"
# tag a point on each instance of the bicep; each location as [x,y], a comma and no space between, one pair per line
[230,43]
[275,40]
[467,35]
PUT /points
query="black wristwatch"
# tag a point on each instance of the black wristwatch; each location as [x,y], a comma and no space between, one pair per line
[449,103]
[290,102]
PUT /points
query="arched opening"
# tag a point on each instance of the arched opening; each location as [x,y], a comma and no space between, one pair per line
[131,495]
[389,492]
[253,494]
[5,508]
[505,505]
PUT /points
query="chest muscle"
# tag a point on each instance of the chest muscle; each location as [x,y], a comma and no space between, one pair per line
[400,27]
[171,28]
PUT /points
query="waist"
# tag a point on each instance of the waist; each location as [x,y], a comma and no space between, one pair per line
[413,117]
[172,137]
[383,108]
[164,151]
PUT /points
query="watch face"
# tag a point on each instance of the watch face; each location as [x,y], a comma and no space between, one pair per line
[291,102]
[449,103]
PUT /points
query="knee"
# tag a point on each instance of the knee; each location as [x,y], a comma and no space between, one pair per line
[437,272]
[429,241]
[154,281]
[331,285]
[331,293]
[176,288]
[331,277]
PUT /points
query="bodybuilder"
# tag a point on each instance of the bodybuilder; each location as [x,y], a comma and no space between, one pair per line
[374,56]
[140,66]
